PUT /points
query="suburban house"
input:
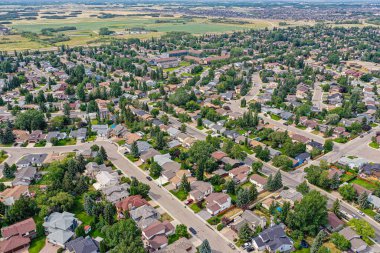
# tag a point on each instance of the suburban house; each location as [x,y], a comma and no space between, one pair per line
[200,190]
[106,179]
[156,233]
[83,245]
[273,239]
[250,218]
[334,224]
[217,202]
[10,195]
[116,193]
[259,181]
[79,135]
[31,160]
[26,228]
[144,216]
[130,203]
[357,244]
[182,245]
[55,134]
[92,169]
[100,130]
[290,195]
[14,244]
[240,174]
[60,227]
[25,176]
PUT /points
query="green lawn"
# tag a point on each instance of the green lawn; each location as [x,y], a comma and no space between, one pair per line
[121,142]
[3,157]
[369,212]
[275,117]
[301,127]
[374,145]
[91,138]
[41,143]
[180,194]
[66,142]
[364,183]
[340,140]
[195,208]
[37,244]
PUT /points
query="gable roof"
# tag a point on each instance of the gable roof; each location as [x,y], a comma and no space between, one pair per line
[19,228]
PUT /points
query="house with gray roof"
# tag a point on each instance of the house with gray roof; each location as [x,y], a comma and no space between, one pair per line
[273,239]
[100,130]
[141,145]
[31,160]
[79,135]
[144,216]
[116,193]
[83,245]
[55,134]
[25,176]
[248,217]
[60,227]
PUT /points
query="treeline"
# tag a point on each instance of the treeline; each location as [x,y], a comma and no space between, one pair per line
[49,31]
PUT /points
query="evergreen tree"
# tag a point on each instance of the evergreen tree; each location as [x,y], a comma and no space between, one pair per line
[103,153]
[185,184]
[8,171]
[134,150]
[205,247]
[245,233]
[363,200]
[318,241]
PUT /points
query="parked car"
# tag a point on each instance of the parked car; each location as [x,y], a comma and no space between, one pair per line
[188,201]
[192,230]
[361,213]
[231,246]
[149,178]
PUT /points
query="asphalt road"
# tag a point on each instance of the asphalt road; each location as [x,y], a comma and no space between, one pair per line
[169,203]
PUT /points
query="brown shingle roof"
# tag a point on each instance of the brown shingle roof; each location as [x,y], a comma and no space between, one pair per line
[19,228]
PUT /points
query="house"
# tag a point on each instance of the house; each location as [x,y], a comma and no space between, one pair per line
[10,195]
[228,161]
[360,189]
[273,239]
[314,145]
[36,136]
[334,224]
[130,203]
[374,200]
[55,134]
[300,138]
[118,131]
[142,146]
[31,160]
[217,202]
[218,155]
[173,132]
[21,136]
[92,169]
[105,179]
[148,154]
[259,181]
[100,130]
[200,190]
[248,217]
[302,158]
[182,245]
[25,176]
[352,162]
[14,244]
[290,195]
[80,134]
[144,216]
[273,152]
[131,138]
[116,193]
[60,227]
[158,228]
[176,180]
[83,245]
[371,169]
[240,174]
[357,244]
[26,228]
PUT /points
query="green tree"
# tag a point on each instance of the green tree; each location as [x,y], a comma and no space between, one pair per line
[283,162]
[318,241]
[245,233]
[348,192]
[363,200]
[79,231]
[135,150]
[362,227]
[243,198]
[328,146]
[185,184]
[336,207]
[303,188]
[30,120]
[340,241]
[205,247]
[9,171]
[155,170]
[181,231]
[257,166]
[310,213]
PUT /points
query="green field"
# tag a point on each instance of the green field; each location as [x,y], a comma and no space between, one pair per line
[88,28]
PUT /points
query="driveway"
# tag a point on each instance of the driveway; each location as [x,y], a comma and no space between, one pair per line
[49,248]
[204,215]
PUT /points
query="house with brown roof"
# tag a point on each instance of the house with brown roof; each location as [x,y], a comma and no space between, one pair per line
[10,195]
[14,244]
[25,228]
[200,190]
[36,136]
[300,138]
[130,203]
[334,224]
[176,180]
[217,202]
[218,155]
[240,174]
[156,235]
[259,181]
[21,136]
